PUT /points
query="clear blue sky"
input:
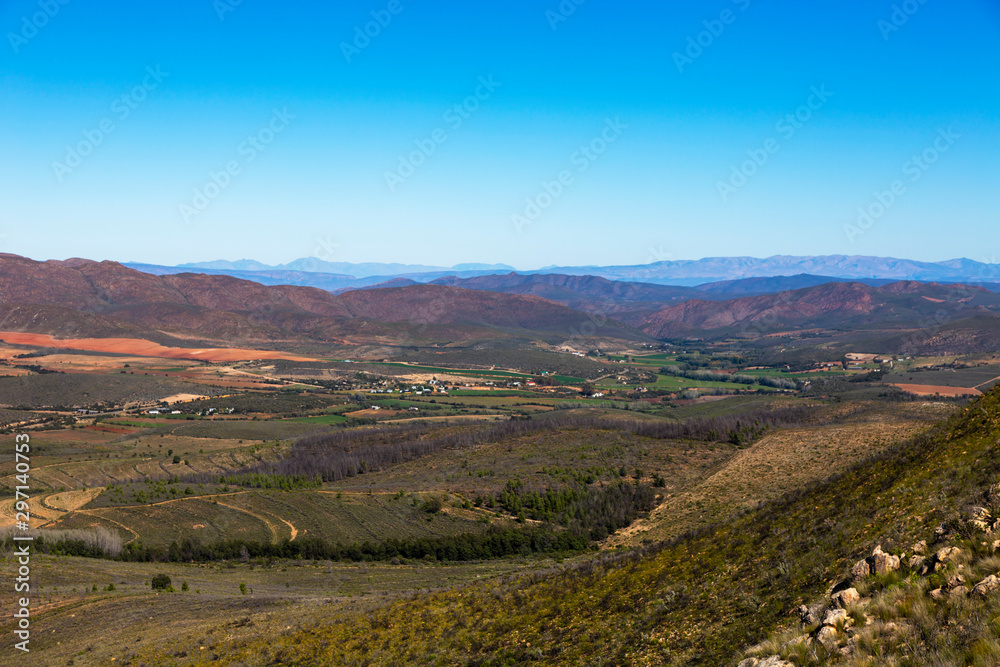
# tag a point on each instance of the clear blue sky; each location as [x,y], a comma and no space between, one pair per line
[325,177]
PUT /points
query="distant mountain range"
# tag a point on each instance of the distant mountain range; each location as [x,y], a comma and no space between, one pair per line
[364,270]
[716,269]
[340,275]
[84,298]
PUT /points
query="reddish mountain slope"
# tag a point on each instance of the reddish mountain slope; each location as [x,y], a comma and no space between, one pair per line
[437,304]
[831,305]
[82,297]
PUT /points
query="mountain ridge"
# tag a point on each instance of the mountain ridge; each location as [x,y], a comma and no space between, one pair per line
[106,298]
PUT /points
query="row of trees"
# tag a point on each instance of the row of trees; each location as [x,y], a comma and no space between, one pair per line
[737,378]
[495,543]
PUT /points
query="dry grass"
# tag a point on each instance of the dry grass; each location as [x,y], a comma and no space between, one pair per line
[776,464]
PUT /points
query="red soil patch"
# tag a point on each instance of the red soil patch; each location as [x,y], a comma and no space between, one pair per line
[930,390]
[144,348]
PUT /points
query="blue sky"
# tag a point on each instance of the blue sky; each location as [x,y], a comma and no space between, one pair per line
[598,133]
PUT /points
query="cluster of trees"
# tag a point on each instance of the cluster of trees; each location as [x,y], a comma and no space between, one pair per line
[592,512]
[495,543]
[709,376]
[99,542]
[695,360]
[733,428]
[261,480]
[339,454]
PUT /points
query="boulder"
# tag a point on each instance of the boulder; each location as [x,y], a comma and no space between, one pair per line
[810,615]
[920,547]
[996,525]
[980,514]
[774,661]
[954,581]
[845,597]
[947,554]
[883,563]
[987,586]
[749,662]
[996,545]
[943,556]
[937,594]
[835,616]
[916,562]
[827,636]
[861,570]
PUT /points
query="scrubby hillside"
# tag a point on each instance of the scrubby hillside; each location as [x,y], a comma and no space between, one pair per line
[904,304]
[706,597]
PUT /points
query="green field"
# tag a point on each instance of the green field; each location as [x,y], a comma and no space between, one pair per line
[479,373]
[321,419]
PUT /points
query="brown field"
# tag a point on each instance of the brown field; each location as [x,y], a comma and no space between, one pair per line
[374,413]
[88,363]
[81,436]
[144,348]
[931,390]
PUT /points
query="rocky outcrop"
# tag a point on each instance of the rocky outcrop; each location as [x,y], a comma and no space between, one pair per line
[812,614]
[979,518]
[845,597]
[828,637]
[879,562]
[986,586]
[946,555]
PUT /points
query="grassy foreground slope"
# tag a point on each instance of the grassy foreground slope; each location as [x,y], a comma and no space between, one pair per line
[698,600]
